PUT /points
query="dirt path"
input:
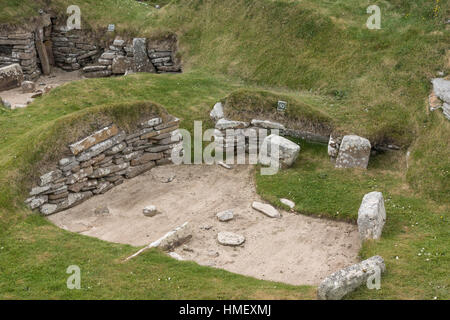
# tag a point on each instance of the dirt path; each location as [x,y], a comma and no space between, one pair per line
[57,78]
[295,249]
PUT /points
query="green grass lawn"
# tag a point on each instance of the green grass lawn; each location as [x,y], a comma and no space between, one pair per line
[316,54]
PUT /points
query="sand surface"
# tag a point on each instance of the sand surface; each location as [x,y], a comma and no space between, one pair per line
[55,79]
[294,249]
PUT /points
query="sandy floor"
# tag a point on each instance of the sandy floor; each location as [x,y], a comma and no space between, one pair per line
[57,78]
[295,249]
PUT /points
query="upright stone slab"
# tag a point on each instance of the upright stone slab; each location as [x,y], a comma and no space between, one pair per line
[142,62]
[371,216]
[42,52]
[354,152]
[11,77]
[340,283]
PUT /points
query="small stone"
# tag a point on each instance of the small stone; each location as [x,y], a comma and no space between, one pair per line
[101,210]
[28,86]
[288,203]
[150,211]
[223,164]
[267,209]
[230,239]
[225,215]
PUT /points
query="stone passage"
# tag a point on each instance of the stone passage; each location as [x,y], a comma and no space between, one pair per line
[102,161]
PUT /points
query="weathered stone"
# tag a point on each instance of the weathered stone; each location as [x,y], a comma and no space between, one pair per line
[103,172]
[119,43]
[446,110]
[288,151]
[78,186]
[39,190]
[28,86]
[72,200]
[175,136]
[108,55]
[146,157]
[333,146]
[137,170]
[94,68]
[266,124]
[116,149]
[442,89]
[103,187]
[217,112]
[141,61]
[105,62]
[173,238]
[173,124]
[288,203]
[94,139]
[83,173]
[226,215]
[121,64]
[151,123]
[230,239]
[50,177]
[340,283]
[267,209]
[98,148]
[150,211]
[10,77]
[223,124]
[57,196]
[354,152]
[43,56]
[371,216]
[36,202]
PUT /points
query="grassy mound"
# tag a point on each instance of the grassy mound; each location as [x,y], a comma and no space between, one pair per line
[246,105]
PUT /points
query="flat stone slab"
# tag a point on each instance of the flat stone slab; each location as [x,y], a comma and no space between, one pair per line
[287,202]
[346,280]
[230,239]
[226,215]
[354,152]
[371,216]
[266,124]
[267,209]
[93,139]
[223,124]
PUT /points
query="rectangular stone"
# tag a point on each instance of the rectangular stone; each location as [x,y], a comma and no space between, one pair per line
[94,139]
[145,158]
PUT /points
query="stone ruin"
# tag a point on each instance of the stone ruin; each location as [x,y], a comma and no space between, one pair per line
[102,161]
[50,44]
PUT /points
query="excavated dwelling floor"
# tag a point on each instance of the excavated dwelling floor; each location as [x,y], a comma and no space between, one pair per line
[294,249]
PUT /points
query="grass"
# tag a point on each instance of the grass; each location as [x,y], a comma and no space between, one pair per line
[318,56]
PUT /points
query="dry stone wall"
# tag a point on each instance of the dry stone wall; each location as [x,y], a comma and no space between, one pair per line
[104,160]
[52,44]
[19,48]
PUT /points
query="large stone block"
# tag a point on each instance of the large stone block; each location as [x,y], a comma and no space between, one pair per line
[371,216]
[11,77]
[94,139]
[340,283]
[287,150]
[223,124]
[354,152]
